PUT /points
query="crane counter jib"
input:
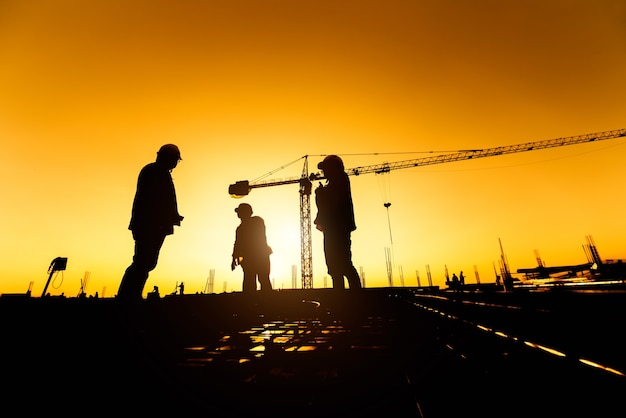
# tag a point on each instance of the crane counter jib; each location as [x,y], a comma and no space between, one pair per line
[243,187]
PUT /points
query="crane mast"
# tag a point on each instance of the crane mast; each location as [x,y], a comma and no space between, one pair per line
[305,228]
[243,187]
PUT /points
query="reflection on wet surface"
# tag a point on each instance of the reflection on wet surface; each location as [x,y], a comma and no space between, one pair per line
[512,337]
[293,336]
[503,334]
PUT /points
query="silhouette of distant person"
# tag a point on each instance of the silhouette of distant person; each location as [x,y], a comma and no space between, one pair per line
[461,279]
[155,293]
[181,288]
[455,281]
[335,218]
[251,250]
[154,214]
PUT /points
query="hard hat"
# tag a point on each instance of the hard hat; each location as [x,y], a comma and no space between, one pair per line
[330,162]
[244,208]
[170,149]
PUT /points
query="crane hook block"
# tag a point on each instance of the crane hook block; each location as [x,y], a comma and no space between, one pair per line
[240,188]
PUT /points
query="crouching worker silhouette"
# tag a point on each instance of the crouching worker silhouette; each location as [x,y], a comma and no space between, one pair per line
[251,250]
[154,214]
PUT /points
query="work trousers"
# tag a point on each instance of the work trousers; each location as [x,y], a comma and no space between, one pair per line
[147,248]
[338,253]
[253,270]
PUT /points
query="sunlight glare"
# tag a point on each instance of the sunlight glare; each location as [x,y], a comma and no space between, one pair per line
[285,243]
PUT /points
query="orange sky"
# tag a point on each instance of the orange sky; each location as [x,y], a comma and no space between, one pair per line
[90,90]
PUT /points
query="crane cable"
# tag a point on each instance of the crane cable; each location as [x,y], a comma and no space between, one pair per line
[278,169]
[384,184]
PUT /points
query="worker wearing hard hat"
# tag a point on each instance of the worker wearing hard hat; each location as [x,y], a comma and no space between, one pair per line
[251,250]
[154,214]
[335,218]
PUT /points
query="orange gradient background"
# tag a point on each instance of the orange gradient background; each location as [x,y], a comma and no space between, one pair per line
[90,90]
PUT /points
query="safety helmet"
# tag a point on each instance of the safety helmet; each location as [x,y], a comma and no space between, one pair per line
[244,208]
[331,162]
[169,150]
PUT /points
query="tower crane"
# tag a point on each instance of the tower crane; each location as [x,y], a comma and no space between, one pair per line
[243,187]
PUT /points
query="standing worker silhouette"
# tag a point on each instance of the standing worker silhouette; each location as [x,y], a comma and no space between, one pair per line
[335,218]
[154,214]
[251,250]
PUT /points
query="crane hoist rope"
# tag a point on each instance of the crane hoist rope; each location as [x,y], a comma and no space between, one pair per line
[243,187]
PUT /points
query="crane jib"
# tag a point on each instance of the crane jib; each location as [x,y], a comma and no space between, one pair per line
[487,152]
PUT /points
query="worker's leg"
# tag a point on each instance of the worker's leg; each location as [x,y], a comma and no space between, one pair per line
[354,281]
[147,248]
[249,278]
[264,274]
[341,262]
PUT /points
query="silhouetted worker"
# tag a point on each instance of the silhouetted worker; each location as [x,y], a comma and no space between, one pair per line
[461,279]
[154,214]
[251,250]
[335,218]
[154,294]
[181,288]
[455,281]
